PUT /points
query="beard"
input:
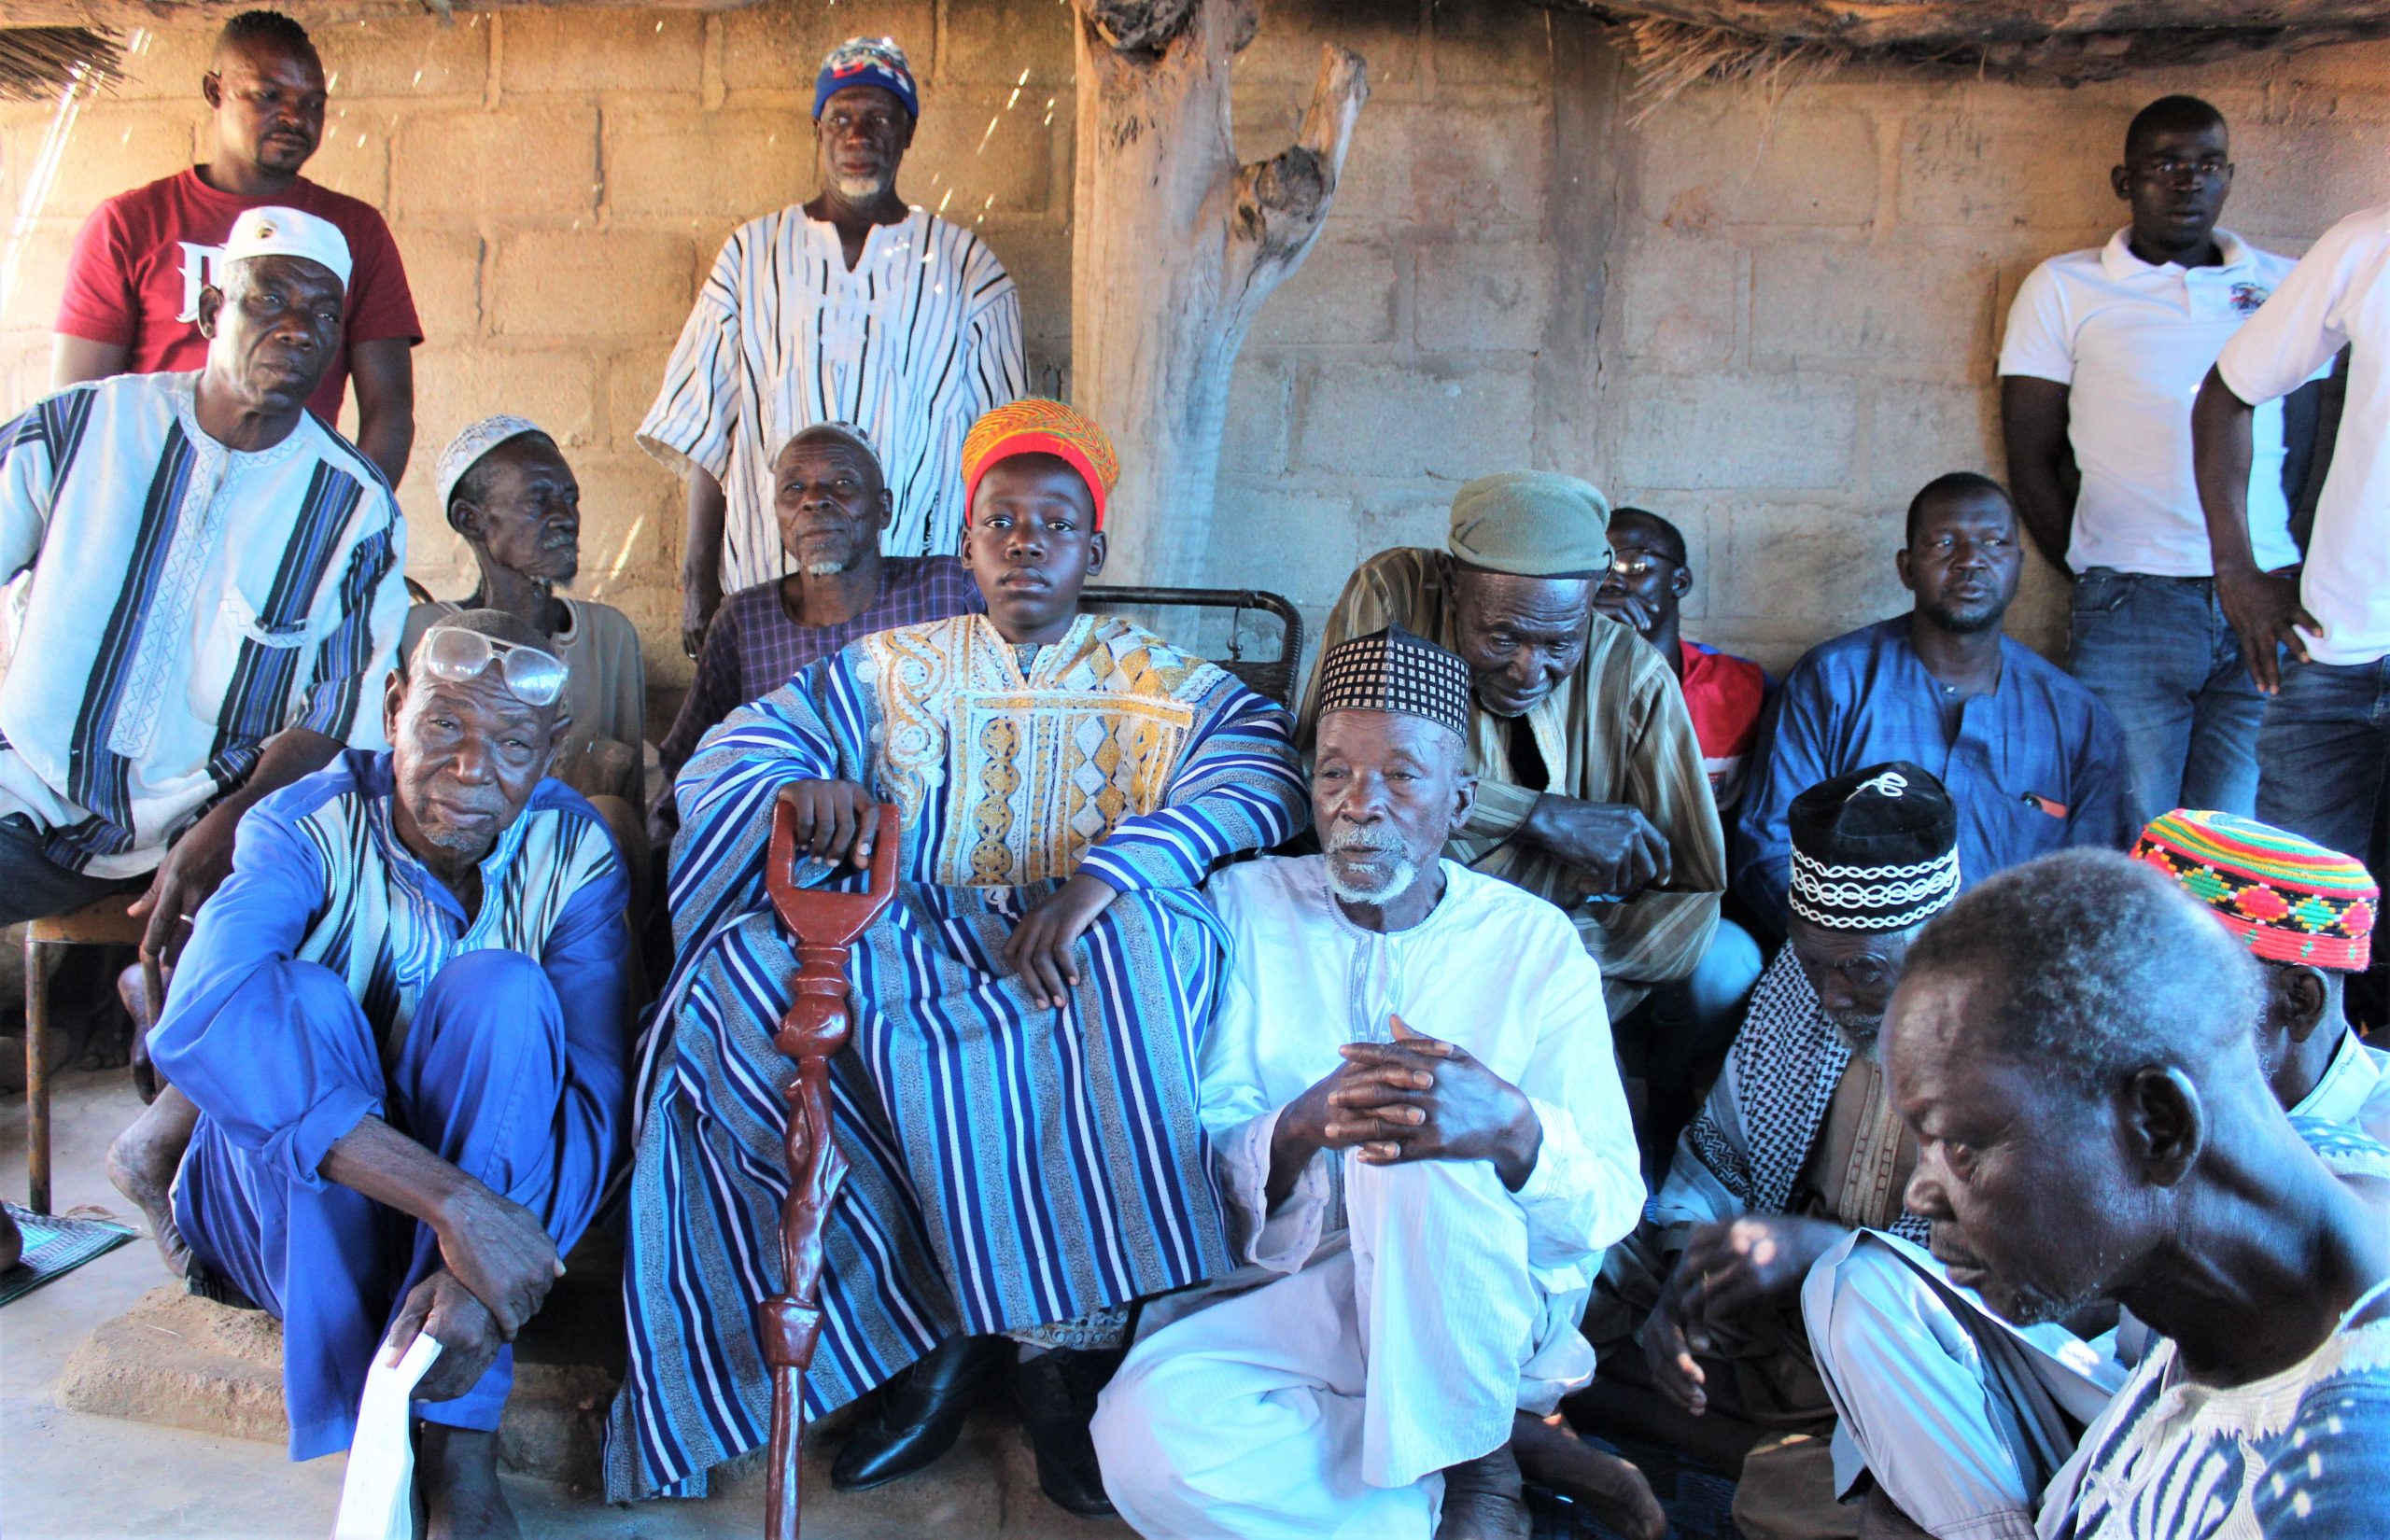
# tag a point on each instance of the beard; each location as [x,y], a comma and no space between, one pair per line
[1862,1035]
[825,569]
[1401,871]
[2028,1306]
[861,190]
[2020,1304]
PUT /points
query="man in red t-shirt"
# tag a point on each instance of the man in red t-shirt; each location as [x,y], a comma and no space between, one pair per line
[1697,1015]
[133,285]
[1647,578]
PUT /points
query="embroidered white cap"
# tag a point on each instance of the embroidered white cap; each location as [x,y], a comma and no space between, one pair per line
[289,232]
[466,449]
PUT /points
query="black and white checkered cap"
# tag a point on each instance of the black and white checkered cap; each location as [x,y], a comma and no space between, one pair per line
[1394,670]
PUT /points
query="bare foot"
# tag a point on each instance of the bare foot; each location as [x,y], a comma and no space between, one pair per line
[1483,1499]
[455,1472]
[1610,1488]
[142,1163]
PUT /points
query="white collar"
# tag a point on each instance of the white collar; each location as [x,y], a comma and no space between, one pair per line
[2340,1095]
[2116,259]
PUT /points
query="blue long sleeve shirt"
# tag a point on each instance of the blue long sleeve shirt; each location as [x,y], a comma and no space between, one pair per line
[2034,767]
[320,875]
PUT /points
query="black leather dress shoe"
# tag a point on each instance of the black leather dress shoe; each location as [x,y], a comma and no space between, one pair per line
[919,1414]
[1055,1393]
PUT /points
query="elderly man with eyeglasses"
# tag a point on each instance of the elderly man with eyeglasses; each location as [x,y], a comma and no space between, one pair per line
[405,1019]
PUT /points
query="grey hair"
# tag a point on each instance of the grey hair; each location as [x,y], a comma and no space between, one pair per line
[2093,965]
[846,433]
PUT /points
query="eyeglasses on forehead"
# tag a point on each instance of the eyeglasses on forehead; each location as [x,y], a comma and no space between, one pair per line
[534,675]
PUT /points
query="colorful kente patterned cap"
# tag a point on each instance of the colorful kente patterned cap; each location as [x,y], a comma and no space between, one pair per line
[2290,899]
[1392,670]
[1876,849]
[1036,426]
[867,62]
[466,449]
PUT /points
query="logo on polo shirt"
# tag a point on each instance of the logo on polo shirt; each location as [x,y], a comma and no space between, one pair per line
[2247,297]
[199,271]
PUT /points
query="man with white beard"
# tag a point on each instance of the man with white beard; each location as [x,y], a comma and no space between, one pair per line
[853,307]
[1421,1148]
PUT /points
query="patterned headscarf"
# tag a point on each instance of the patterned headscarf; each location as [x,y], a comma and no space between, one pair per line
[867,62]
[1876,849]
[2290,899]
[1036,426]
[469,445]
[1392,670]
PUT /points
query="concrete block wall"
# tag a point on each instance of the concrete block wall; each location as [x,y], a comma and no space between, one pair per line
[558,183]
[1770,318]
[1807,296]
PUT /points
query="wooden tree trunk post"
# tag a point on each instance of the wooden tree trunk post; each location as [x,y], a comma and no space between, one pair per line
[1176,245]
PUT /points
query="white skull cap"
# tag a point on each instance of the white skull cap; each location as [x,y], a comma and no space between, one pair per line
[289,232]
[470,445]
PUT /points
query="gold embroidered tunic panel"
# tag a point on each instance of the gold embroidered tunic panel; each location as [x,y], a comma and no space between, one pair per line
[1017,765]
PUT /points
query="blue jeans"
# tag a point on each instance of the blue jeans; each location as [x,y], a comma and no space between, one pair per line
[2160,655]
[2322,749]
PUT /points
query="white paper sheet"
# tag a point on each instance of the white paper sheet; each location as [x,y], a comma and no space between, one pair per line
[377,1500]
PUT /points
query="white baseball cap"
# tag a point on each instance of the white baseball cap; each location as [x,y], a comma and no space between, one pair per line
[289,232]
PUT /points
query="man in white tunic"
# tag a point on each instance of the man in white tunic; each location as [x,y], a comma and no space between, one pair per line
[1422,1147]
[211,576]
[852,308]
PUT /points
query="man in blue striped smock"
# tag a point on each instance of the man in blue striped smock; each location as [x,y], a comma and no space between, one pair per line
[2071,1045]
[1018,1098]
[850,308]
[405,1018]
[214,586]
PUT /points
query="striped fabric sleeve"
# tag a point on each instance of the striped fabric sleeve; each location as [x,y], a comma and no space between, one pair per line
[26,486]
[998,373]
[1659,935]
[1239,786]
[343,699]
[696,413]
[726,793]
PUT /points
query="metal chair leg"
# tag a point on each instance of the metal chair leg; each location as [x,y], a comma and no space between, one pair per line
[37,1075]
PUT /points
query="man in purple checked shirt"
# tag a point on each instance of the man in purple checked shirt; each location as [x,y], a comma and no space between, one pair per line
[832,503]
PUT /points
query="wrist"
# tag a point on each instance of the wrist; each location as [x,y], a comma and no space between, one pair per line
[455,1198]
[1521,1146]
[1292,1143]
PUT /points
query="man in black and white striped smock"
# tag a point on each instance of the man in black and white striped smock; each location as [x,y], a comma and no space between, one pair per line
[852,308]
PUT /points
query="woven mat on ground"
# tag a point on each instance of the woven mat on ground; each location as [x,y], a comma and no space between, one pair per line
[55,1245]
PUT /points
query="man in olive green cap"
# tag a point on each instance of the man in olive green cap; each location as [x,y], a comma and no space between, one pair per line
[1591,792]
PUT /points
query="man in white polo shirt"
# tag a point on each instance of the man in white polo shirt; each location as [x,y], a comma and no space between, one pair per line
[2327,735]
[2104,351]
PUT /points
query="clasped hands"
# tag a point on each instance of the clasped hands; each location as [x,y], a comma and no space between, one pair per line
[1417,1098]
[1727,1270]
[838,820]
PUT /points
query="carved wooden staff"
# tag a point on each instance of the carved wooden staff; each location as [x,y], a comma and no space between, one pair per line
[824,926]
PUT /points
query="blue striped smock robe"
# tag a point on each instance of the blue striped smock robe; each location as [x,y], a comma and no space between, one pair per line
[1012,1166]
